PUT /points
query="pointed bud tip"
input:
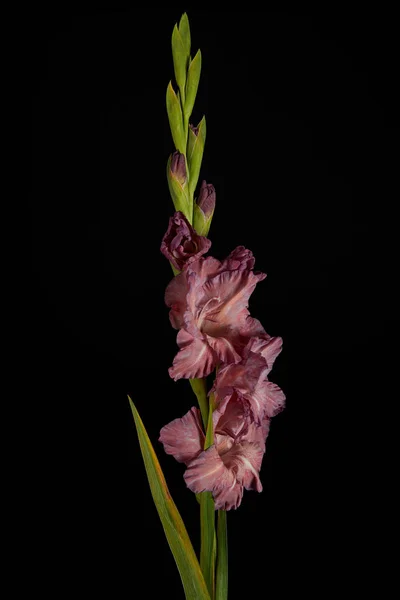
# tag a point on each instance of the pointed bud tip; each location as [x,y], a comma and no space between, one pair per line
[178,166]
[207,198]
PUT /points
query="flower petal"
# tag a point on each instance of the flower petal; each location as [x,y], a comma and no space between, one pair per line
[183,438]
[231,417]
[257,434]
[268,347]
[181,244]
[271,397]
[226,498]
[245,460]
[194,359]
[175,299]
[224,349]
[239,259]
[207,472]
[233,290]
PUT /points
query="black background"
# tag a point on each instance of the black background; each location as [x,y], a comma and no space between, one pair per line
[302,150]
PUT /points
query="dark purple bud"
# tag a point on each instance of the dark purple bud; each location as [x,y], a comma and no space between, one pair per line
[178,167]
[194,129]
[181,244]
[206,199]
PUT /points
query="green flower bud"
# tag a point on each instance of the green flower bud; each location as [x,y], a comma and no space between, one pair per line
[204,208]
[178,184]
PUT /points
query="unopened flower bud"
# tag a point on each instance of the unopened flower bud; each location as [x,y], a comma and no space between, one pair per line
[206,199]
[204,208]
[178,167]
[177,183]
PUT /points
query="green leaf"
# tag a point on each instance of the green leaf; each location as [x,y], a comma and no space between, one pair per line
[184,30]
[175,531]
[207,521]
[195,151]
[181,59]
[192,84]
[221,590]
[175,118]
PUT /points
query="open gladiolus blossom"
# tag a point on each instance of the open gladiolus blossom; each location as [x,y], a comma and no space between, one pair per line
[208,303]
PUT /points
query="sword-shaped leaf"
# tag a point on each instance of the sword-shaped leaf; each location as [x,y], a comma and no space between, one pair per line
[195,149]
[192,83]
[184,30]
[175,118]
[181,60]
[175,530]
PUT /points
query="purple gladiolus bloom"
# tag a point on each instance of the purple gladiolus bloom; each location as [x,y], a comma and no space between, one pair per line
[181,244]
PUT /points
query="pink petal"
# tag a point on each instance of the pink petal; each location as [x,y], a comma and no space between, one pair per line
[248,328]
[194,359]
[271,397]
[183,438]
[245,460]
[233,290]
[231,417]
[257,434]
[239,259]
[244,377]
[226,498]
[181,244]
[205,268]
[224,349]
[268,347]
[175,299]
[207,472]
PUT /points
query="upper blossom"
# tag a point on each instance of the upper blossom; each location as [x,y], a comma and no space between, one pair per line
[181,244]
[231,464]
[247,380]
[208,303]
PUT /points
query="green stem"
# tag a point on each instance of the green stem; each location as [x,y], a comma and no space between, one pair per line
[200,389]
[207,521]
[221,592]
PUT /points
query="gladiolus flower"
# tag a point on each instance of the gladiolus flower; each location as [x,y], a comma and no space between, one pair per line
[231,464]
[208,303]
[181,244]
[247,381]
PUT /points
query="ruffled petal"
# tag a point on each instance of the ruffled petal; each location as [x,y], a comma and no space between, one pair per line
[224,349]
[244,459]
[228,498]
[239,259]
[271,397]
[205,268]
[175,299]
[183,438]
[231,417]
[268,347]
[233,290]
[207,472]
[257,434]
[181,244]
[194,359]
[244,376]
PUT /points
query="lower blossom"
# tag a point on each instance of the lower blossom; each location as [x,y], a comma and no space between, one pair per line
[231,464]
